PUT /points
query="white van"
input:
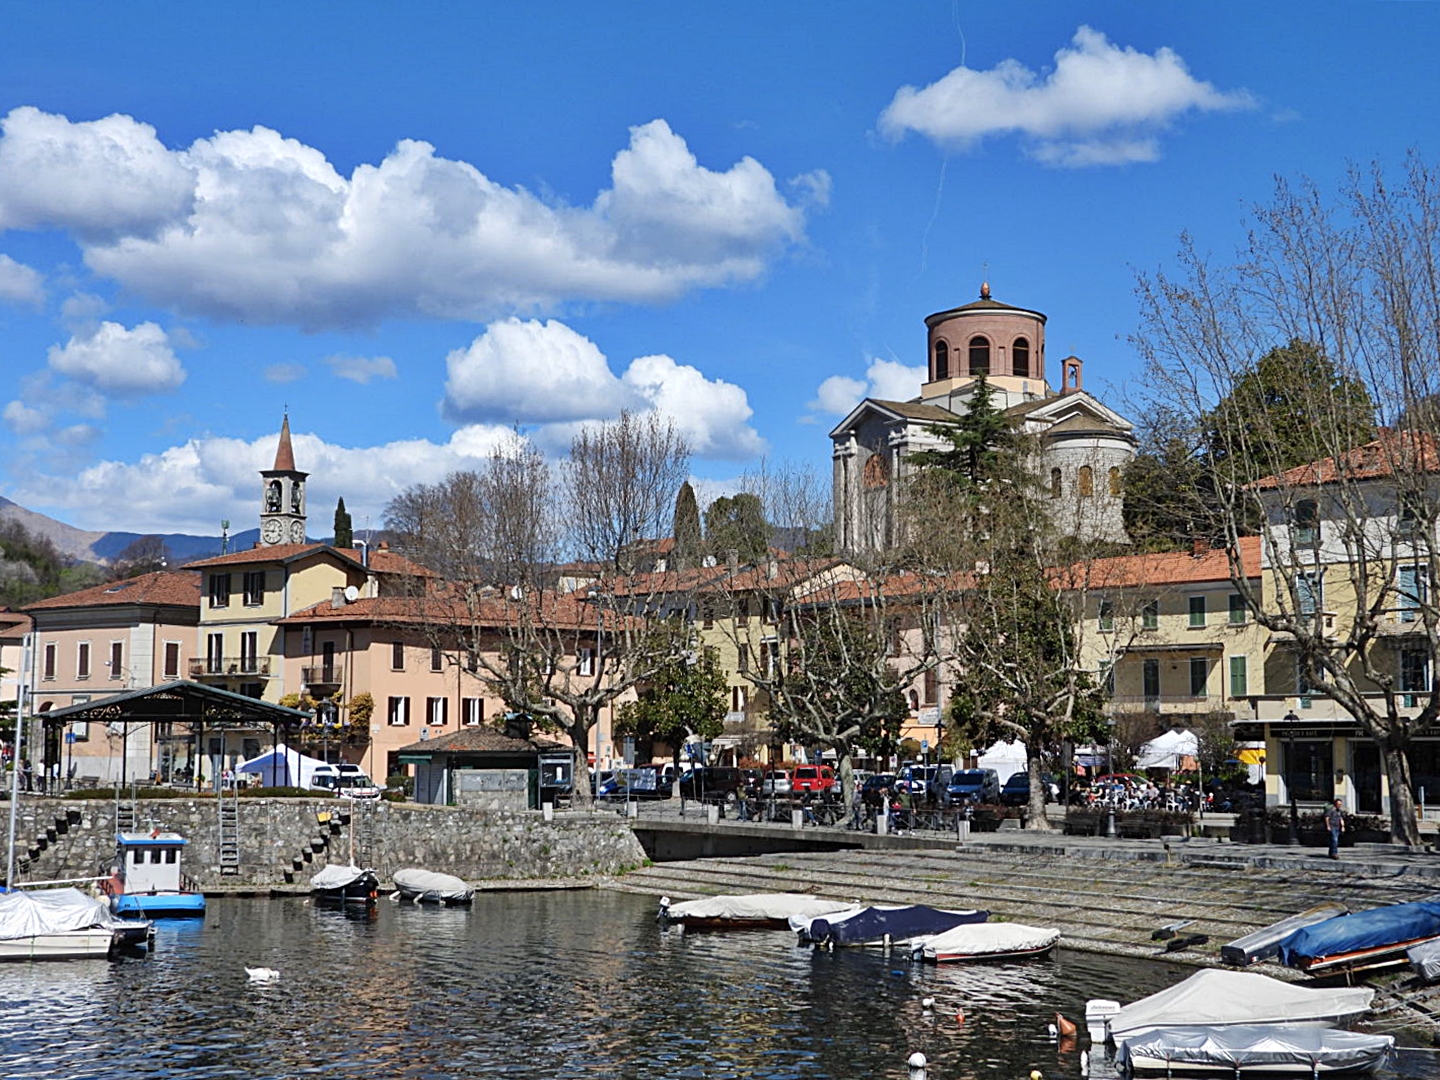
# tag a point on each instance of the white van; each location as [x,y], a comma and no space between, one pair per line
[345,780]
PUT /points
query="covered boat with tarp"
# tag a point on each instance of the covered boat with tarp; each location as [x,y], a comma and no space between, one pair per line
[1253,1048]
[987,941]
[903,926]
[64,924]
[749,911]
[338,884]
[1216,998]
[1376,938]
[430,887]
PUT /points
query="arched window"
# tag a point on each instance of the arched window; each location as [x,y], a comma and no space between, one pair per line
[1085,481]
[979,356]
[914,701]
[1115,481]
[1020,357]
[942,361]
[1055,488]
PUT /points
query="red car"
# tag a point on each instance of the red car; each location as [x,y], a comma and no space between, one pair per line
[815,778]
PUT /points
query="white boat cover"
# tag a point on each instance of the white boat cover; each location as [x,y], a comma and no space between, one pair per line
[1254,1046]
[988,939]
[1425,959]
[1216,997]
[755,906]
[52,911]
[444,886]
[335,876]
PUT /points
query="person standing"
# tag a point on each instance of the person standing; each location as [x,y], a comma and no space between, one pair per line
[1335,822]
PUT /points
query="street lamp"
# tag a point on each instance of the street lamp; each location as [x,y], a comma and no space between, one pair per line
[1293,840]
[327,715]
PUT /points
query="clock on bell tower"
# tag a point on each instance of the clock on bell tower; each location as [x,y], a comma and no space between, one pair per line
[282,501]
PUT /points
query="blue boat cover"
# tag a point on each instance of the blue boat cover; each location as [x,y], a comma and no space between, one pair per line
[1371,929]
[873,924]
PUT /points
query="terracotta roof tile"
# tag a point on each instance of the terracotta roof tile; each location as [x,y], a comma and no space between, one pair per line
[1164,568]
[1407,451]
[557,611]
[475,740]
[175,588]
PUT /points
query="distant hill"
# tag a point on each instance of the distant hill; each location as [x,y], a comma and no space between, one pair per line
[101,547]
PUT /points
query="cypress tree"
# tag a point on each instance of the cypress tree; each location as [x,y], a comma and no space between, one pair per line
[344,533]
[686,528]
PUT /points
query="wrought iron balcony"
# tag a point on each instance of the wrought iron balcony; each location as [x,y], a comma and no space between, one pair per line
[323,675]
[224,667]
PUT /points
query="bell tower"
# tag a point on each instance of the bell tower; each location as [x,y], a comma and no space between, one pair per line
[282,496]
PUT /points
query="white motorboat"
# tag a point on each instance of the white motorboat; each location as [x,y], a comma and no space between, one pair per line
[428,887]
[749,911]
[1253,1048]
[987,941]
[340,884]
[903,926]
[1216,998]
[64,924]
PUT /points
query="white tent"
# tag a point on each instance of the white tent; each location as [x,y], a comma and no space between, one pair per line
[282,767]
[1006,758]
[1169,751]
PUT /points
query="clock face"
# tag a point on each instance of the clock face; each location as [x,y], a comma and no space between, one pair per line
[297,532]
[272,531]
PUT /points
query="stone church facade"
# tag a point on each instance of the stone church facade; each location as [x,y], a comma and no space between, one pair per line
[1084,445]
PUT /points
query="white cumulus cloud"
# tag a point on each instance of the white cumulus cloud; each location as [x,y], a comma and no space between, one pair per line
[250,225]
[888,380]
[23,420]
[1100,104]
[361,369]
[545,373]
[115,360]
[20,284]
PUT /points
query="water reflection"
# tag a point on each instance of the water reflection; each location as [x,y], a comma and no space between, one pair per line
[549,985]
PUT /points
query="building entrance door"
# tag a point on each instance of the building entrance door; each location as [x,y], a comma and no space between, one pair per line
[1365,774]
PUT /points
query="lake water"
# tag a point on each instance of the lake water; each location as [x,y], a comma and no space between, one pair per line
[552,985]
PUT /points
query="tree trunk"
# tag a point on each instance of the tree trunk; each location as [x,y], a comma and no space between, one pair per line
[1404,829]
[1035,812]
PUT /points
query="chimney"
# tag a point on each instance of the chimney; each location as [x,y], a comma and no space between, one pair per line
[1200,547]
[337,597]
[732,559]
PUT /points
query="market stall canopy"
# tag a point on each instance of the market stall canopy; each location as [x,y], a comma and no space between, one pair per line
[1173,750]
[1006,758]
[283,766]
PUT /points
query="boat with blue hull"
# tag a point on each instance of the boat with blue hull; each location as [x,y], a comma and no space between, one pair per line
[902,925]
[146,877]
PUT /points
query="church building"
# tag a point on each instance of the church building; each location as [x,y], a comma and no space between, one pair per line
[1084,445]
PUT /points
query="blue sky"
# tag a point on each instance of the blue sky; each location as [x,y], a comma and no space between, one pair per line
[420,225]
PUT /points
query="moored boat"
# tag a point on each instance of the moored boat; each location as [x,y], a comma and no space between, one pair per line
[751,911]
[901,926]
[1217,998]
[1273,1049]
[65,924]
[337,884]
[1365,940]
[1264,944]
[428,887]
[987,941]
[146,879]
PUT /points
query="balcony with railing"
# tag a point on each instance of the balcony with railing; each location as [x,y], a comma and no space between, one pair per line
[1172,704]
[224,667]
[323,675]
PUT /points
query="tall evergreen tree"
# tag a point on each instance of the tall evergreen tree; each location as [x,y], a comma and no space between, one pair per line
[737,523]
[979,441]
[686,528]
[344,532]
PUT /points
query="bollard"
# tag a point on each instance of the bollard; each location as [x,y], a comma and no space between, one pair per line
[962,829]
[712,814]
[547,810]
[632,809]
[882,822]
[1110,823]
[797,819]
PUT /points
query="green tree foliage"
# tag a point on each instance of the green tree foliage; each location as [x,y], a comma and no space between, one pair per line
[31,567]
[982,442]
[686,695]
[344,529]
[737,523]
[686,530]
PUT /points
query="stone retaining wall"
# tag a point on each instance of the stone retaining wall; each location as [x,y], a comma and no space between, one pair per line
[285,841]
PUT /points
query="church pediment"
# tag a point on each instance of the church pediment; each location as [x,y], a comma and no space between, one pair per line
[890,414]
[1077,411]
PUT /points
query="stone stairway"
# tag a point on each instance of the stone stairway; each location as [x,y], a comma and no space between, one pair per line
[328,825]
[1101,905]
[30,862]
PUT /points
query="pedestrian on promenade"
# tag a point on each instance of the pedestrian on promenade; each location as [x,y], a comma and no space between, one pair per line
[1335,822]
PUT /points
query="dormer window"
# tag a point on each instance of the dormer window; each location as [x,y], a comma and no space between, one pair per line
[1020,357]
[979,356]
[942,361]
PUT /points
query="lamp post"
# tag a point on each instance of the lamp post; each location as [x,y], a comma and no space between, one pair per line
[1293,839]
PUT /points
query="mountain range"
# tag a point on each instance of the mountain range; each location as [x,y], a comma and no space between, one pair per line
[85,545]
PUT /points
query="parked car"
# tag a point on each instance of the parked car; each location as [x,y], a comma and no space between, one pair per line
[639,782]
[816,778]
[1016,790]
[345,780]
[973,786]
[913,778]
[712,783]
[776,782]
[875,783]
